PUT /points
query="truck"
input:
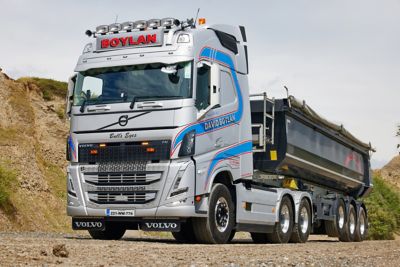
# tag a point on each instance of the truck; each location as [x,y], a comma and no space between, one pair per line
[165,136]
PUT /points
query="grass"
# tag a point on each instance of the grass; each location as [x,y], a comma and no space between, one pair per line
[50,88]
[8,180]
[383,206]
[60,113]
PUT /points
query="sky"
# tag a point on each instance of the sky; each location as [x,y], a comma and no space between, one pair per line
[342,56]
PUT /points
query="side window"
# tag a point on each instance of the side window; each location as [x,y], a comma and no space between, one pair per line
[203,87]
[228,94]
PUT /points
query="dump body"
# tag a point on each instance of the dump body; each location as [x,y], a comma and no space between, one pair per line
[307,147]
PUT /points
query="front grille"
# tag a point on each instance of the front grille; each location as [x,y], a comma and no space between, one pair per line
[129,178]
[122,183]
[124,152]
[122,197]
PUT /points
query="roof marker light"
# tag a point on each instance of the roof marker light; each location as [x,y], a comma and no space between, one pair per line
[154,23]
[115,27]
[127,26]
[141,25]
[202,21]
[102,29]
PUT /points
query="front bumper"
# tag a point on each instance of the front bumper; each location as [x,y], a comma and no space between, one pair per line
[175,176]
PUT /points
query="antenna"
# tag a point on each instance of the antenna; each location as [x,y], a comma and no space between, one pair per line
[197,15]
[116,18]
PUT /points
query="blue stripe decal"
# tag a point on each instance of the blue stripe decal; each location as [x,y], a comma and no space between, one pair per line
[223,120]
[228,153]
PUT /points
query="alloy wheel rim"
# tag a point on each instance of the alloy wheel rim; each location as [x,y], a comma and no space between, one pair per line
[341,217]
[284,218]
[303,220]
[221,214]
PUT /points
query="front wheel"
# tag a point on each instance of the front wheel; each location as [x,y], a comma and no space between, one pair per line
[217,227]
[111,232]
[186,234]
[283,229]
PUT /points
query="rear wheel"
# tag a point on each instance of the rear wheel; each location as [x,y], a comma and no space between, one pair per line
[186,234]
[336,228]
[111,232]
[283,229]
[218,226]
[348,235]
[362,225]
[302,229]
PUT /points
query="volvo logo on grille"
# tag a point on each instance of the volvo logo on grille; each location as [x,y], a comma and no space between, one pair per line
[123,120]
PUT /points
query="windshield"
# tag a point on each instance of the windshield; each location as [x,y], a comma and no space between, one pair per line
[123,83]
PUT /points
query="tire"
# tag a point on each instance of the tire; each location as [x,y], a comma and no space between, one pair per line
[232,235]
[217,227]
[283,229]
[259,238]
[186,234]
[330,228]
[302,229]
[111,232]
[348,235]
[362,225]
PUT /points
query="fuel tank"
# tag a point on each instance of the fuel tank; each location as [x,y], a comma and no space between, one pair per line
[304,145]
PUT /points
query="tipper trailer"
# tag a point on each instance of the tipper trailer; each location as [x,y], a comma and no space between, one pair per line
[165,136]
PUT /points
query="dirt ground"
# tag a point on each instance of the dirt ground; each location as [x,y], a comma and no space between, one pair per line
[137,249]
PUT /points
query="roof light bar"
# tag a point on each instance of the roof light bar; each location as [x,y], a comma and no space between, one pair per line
[140,25]
[154,23]
[102,29]
[128,26]
[115,27]
[168,23]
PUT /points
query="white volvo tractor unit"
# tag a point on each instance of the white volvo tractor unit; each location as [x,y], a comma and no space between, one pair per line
[164,136]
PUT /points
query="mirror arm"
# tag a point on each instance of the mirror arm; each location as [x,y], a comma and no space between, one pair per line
[208,110]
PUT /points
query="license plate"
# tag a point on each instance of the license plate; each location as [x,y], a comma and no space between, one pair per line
[120,213]
[170,226]
[88,224]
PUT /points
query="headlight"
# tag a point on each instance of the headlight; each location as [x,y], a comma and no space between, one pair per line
[188,144]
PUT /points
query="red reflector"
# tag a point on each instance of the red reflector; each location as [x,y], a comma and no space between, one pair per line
[150,149]
[93,152]
[197,198]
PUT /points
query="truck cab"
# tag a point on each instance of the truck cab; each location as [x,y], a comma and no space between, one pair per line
[157,114]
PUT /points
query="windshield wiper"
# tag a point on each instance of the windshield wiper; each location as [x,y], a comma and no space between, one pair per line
[87,96]
[150,97]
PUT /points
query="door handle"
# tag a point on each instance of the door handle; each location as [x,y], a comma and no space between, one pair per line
[97,108]
[150,105]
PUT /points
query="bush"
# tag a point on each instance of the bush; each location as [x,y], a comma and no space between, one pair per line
[49,87]
[8,179]
[383,210]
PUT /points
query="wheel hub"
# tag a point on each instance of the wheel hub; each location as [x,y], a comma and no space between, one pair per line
[341,217]
[221,214]
[284,217]
[303,220]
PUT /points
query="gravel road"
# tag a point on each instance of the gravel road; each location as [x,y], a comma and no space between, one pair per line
[137,249]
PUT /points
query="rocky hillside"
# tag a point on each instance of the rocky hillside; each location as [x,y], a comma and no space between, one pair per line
[33,131]
[391,172]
